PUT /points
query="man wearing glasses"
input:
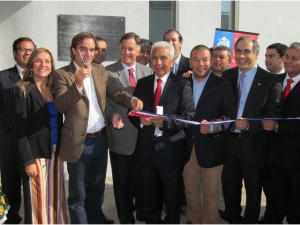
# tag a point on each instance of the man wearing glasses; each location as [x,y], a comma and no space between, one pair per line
[10,175]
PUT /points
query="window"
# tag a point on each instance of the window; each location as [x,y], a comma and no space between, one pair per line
[227,15]
[161,19]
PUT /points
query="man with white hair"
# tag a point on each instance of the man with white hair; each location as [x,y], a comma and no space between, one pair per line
[161,139]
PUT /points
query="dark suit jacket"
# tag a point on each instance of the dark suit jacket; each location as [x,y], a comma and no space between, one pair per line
[184,65]
[216,102]
[7,80]
[262,101]
[177,102]
[31,127]
[286,143]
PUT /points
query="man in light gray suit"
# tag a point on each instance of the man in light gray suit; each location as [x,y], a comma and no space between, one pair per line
[125,168]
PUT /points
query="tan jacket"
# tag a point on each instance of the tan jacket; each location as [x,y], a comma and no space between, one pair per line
[75,107]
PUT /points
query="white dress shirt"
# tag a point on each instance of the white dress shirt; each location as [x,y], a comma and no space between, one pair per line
[295,79]
[95,118]
[127,72]
[281,71]
[20,69]
[164,79]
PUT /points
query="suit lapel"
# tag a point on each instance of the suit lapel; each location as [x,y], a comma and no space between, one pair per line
[150,93]
[98,80]
[14,74]
[207,89]
[256,88]
[168,86]
[182,63]
[39,98]
[72,71]
[122,74]
[294,92]
[139,73]
[235,82]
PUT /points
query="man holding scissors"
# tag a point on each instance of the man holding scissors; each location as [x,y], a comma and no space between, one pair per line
[80,90]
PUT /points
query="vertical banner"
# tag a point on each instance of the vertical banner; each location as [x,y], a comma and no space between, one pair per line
[228,38]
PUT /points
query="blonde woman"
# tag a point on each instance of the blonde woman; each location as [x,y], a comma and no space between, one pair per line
[35,131]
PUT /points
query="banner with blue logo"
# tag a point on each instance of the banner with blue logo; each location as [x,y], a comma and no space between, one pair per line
[228,38]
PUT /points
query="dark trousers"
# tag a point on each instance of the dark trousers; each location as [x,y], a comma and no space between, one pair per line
[11,186]
[127,179]
[87,182]
[284,197]
[266,188]
[158,179]
[234,172]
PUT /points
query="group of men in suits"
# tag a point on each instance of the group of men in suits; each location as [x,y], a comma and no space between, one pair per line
[150,155]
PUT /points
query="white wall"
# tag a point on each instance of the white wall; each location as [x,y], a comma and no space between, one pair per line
[197,21]
[275,21]
[38,20]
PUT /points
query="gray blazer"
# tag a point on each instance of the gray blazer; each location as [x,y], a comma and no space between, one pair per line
[125,139]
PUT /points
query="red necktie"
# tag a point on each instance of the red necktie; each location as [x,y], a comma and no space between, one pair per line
[131,78]
[287,88]
[157,93]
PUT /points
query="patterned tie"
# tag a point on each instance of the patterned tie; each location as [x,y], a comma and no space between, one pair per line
[287,89]
[131,78]
[240,89]
[157,94]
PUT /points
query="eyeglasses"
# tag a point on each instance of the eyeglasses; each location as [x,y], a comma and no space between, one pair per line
[25,50]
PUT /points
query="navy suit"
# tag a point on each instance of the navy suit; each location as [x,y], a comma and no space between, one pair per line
[216,102]
[162,158]
[10,175]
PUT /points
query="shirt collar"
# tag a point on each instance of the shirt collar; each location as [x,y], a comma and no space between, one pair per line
[281,71]
[20,69]
[177,60]
[250,72]
[77,67]
[295,79]
[127,67]
[164,78]
[194,80]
